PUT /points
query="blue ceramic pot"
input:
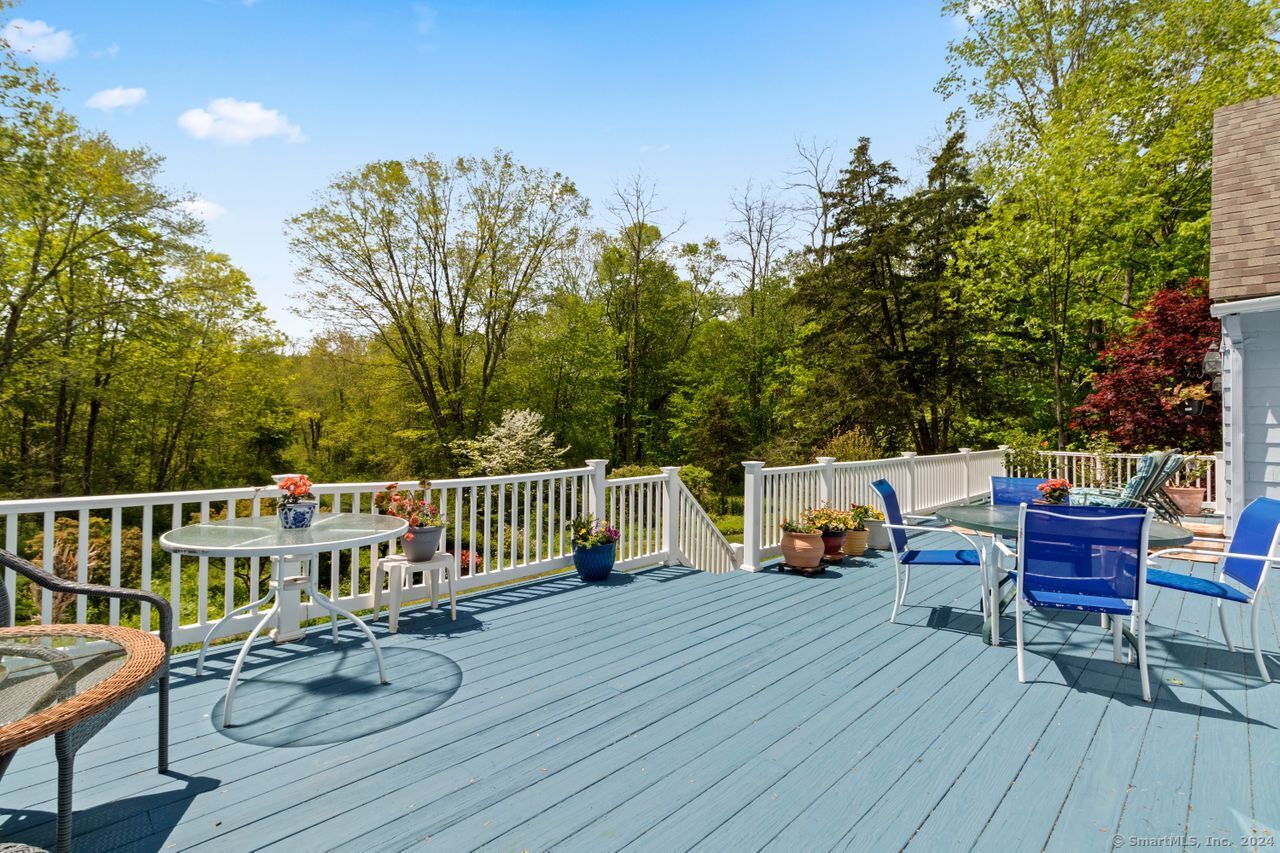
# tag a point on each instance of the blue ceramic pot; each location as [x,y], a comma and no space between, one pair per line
[595,563]
[297,516]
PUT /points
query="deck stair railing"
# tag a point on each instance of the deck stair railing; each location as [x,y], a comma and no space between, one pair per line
[498,529]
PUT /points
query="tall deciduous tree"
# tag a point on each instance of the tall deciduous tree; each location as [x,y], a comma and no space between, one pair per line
[439,261]
[1098,164]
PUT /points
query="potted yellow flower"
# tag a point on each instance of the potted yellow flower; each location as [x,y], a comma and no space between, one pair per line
[858,534]
[832,524]
[877,533]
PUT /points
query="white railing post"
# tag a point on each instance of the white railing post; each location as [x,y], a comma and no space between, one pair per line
[596,504]
[752,510]
[671,555]
[968,474]
[1219,483]
[1004,461]
[826,479]
[910,503]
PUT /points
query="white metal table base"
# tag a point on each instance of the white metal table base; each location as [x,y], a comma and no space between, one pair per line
[278,582]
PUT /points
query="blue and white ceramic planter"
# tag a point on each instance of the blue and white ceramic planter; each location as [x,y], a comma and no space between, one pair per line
[595,563]
[297,516]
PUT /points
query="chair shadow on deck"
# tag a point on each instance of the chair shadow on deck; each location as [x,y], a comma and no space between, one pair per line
[1182,669]
[317,700]
[142,823]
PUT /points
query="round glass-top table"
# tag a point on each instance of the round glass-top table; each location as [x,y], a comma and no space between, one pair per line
[1003,521]
[264,537]
[288,549]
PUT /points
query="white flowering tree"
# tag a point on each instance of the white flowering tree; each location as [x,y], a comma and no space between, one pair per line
[515,445]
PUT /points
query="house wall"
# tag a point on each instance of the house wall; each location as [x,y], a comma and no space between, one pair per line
[1250,407]
[1244,234]
[1261,400]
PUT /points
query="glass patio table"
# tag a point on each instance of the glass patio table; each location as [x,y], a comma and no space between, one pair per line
[1002,520]
[288,550]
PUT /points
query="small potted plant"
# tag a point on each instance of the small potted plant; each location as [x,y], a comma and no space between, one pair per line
[595,546]
[877,533]
[1054,491]
[422,538]
[857,536]
[297,505]
[1189,400]
[802,545]
[1188,497]
[832,524]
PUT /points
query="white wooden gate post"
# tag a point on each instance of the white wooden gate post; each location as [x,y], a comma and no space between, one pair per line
[910,504]
[826,479]
[671,554]
[595,488]
[968,473]
[752,512]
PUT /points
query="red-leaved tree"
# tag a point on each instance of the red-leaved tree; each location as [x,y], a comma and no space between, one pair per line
[1147,373]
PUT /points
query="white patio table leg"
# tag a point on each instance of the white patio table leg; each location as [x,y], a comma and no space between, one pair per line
[992,592]
[213,629]
[244,652]
[333,608]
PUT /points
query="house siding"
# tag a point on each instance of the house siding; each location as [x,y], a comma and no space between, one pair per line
[1261,410]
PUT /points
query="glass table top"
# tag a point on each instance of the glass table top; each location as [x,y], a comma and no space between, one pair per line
[1003,519]
[39,671]
[264,537]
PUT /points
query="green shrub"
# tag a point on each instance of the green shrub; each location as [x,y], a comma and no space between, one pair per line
[624,471]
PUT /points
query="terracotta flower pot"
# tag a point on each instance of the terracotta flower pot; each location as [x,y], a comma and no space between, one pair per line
[855,542]
[802,550]
[1188,499]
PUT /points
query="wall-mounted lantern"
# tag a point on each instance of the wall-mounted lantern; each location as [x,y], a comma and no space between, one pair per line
[1212,364]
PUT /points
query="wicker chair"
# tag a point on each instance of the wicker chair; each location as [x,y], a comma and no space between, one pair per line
[67,744]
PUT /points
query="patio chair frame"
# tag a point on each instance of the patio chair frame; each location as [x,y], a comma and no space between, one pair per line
[1137,611]
[1254,595]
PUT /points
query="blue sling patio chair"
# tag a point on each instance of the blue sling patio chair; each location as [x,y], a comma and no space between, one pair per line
[1084,558]
[1254,548]
[904,556]
[1011,491]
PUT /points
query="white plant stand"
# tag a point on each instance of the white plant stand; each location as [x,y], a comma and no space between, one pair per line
[395,568]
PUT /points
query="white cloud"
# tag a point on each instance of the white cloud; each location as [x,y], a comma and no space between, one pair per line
[654,149]
[202,208]
[238,122]
[114,99]
[107,52]
[38,40]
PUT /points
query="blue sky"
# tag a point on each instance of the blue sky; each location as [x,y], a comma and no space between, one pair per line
[700,97]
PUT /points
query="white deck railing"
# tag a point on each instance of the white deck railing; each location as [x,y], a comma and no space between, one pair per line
[498,529]
[923,483]
[1113,470]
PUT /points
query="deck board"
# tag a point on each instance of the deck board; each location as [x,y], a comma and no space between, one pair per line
[673,710]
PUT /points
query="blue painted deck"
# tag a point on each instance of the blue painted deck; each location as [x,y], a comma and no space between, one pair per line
[672,710]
